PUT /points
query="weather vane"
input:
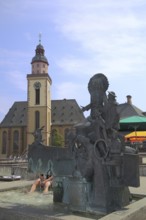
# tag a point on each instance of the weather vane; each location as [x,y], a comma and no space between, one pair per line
[40,36]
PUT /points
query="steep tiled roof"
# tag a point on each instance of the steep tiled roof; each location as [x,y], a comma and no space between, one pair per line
[64,111]
[127,110]
[16,115]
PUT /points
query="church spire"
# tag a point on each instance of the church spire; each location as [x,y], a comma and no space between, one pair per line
[40,36]
[39,61]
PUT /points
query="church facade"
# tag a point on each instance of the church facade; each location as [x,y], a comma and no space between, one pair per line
[55,117]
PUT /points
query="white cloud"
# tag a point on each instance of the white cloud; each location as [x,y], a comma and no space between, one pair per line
[7,54]
[71,90]
[27,10]
[7,101]
[72,65]
[112,32]
[18,80]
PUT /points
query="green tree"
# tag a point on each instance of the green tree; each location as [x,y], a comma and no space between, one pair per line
[57,140]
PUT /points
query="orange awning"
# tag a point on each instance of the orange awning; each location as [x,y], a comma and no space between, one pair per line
[136,136]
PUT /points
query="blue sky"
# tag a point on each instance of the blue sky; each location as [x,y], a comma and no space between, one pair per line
[81,38]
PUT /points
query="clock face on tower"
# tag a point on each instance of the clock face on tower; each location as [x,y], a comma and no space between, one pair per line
[37,85]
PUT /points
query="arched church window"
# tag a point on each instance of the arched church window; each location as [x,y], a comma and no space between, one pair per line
[37,86]
[16,142]
[37,96]
[4,142]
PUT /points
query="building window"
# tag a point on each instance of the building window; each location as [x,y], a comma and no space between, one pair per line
[37,86]
[37,96]
[15,142]
[37,119]
[4,142]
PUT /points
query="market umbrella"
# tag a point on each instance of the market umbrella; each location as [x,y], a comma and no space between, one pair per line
[136,136]
[133,123]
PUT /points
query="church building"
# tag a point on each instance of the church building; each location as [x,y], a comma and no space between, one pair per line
[55,117]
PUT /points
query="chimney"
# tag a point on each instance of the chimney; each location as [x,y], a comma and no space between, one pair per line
[129,101]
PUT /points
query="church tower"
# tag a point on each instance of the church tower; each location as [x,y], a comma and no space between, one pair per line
[38,96]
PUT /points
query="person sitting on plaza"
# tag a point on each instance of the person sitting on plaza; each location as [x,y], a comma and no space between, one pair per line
[43,183]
